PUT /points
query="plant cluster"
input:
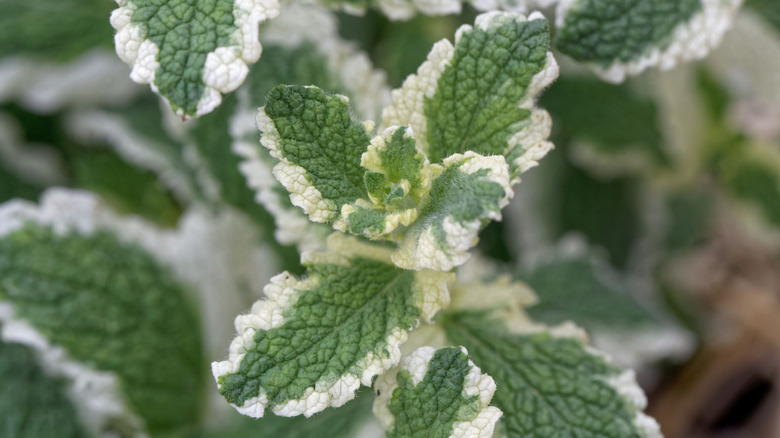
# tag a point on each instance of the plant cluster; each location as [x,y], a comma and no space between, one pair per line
[160,219]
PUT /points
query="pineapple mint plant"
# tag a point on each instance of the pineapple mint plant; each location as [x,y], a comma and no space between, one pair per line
[276,146]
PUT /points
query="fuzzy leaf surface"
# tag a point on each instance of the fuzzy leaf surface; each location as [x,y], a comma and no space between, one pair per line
[190,51]
[55,282]
[478,94]
[550,385]
[470,192]
[437,394]
[319,146]
[314,340]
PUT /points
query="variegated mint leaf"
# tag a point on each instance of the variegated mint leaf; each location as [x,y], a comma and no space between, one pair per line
[314,340]
[397,178]
[550,383]
[436,394]
[32,402]
[319,148]
[190,52]
[301,46]
[478,95]
[103,314]
[624,37]
[470,192]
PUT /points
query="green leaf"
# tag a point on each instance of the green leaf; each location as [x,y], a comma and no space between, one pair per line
[33,404]
[313,341]
[56,281]
[552,385]
[136,133]
[470,192]
[624,37]
[768,9]
[478,95]
[614,128]
[127,189]
[57,30]
[319,147]
[436,394]
[223,143]
[582,288]
[190,51]
[751,173]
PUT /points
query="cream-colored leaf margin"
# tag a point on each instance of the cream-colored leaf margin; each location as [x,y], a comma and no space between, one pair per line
[94,127]
[226,67]
[44,87]
[430,291]
[207,252]
[469,295]
[421,250]
[690,41]
[474,384]
[297,25]
[408,102]
[97,395]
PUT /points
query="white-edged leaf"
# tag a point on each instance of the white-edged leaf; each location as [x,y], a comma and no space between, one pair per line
[617,38]
[436,393]
[313,341]
[470,192]
[550,383]
[190,53]
[478,94]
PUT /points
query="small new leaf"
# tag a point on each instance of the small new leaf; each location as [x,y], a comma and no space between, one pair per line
[314,340]
[190,51]
[436,394]
[470,192]
[552,384]
[397,179]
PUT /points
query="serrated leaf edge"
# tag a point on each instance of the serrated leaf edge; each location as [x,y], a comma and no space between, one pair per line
[408,101]
[624,383]
[296,25]
[303,193]
[205,252]
[431,294]
[691,40]
[225,68]
[475,384]
[93,127]
[421,251]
